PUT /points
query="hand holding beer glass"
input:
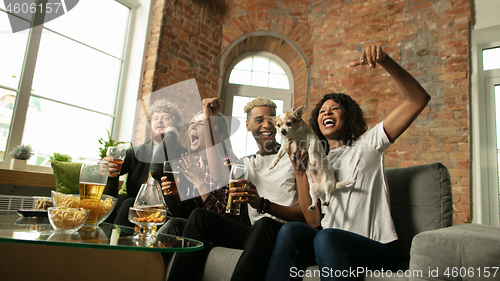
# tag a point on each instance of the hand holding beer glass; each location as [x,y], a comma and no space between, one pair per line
[238,171]
[115,155]
[172,177]
[93,179]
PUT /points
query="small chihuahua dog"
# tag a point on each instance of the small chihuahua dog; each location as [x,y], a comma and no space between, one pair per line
[323,182]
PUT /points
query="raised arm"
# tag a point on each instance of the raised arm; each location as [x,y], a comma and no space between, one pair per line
[416,98]
[218,170]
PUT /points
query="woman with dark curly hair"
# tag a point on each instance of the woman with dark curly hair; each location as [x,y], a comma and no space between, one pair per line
[356,123]
[356,229]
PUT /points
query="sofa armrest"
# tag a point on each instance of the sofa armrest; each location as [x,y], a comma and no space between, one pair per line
[221,263]
[461,252]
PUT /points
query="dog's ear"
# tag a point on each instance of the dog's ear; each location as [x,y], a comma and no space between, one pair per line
[270,119]
[299,112]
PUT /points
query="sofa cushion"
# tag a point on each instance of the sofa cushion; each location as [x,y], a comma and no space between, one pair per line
[421,199]
[460,252]
[67,176]
[221,263]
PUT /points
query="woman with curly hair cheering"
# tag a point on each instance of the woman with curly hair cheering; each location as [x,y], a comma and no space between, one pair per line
[356,229]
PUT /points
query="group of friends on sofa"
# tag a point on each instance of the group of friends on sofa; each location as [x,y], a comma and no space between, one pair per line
[355,229]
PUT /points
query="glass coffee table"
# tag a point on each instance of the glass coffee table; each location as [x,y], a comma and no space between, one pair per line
[32,250]
[37,230]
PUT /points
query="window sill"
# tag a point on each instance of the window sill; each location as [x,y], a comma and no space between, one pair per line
[27,178]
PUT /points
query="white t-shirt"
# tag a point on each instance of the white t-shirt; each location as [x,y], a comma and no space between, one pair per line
[277,185]
[363,208]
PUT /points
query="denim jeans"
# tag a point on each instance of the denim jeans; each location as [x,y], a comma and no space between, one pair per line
[340,254]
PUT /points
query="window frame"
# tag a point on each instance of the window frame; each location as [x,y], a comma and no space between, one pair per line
[263,91]
[485,179]
[248,91]
[127,91]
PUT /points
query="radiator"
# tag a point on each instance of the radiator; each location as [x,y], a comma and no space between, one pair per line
[12,202]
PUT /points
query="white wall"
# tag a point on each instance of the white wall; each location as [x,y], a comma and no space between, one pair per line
[486,13]
[132,77]
[486,26]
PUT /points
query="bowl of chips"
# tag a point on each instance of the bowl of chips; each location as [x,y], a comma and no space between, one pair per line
[42,203]
[147,216]
[65,200]
[67,219]
[106,206]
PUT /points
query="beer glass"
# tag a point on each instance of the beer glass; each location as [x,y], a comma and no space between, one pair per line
[118,154]
[238,171]
[172,175]
[93,179]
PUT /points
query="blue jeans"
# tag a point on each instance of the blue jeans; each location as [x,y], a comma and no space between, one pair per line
[338,253]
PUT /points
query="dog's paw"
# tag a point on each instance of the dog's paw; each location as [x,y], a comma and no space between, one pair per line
[326,203]
[313,162]
[311,208]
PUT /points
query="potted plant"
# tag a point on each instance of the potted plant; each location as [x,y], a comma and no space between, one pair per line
[107,143]
[20,156]
[59,157]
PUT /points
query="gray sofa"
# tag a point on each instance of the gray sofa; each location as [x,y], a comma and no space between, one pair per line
[422,210]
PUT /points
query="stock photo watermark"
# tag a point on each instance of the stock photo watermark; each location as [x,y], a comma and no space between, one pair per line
[455,272]
[25,14]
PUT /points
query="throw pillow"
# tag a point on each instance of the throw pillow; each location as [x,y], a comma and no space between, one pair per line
[123,189]
[67,176]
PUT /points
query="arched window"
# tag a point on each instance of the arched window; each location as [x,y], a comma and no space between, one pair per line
[259,71]
[249,76]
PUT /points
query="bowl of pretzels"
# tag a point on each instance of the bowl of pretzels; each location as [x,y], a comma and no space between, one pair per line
[67,219]
[106,205]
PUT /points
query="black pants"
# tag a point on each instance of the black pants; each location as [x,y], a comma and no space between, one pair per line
[257,243]
[122,213]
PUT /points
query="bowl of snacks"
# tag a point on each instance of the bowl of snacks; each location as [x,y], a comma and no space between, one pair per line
[67,219]
[42,203]
[65,200]
[106,205]
[147,218]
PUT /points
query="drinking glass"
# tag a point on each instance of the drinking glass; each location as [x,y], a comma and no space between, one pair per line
[93,179]
[172,176]
[148,199]
[117,153]
[147,218]
[238,171]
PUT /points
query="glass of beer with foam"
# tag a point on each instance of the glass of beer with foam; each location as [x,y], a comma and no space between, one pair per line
[93,179]
[238,171]
[117,153]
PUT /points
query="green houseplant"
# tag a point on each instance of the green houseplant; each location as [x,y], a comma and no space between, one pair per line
[22,152]
[107,143]
[60,157]
[20,156]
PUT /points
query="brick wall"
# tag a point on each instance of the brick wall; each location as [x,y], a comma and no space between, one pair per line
[184,43]
[429,39]
[320,37]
